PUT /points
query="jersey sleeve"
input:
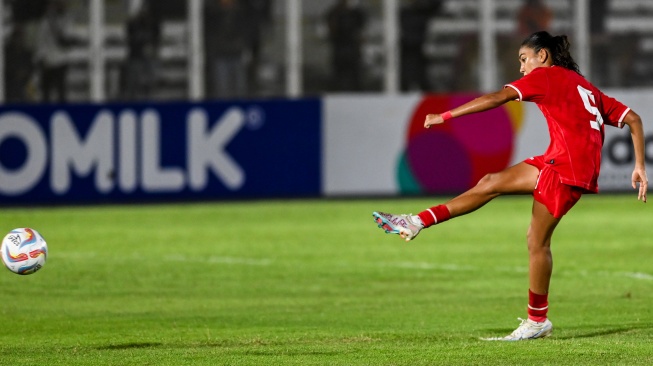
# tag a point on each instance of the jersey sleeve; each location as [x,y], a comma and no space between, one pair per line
[532,87]
[613,111]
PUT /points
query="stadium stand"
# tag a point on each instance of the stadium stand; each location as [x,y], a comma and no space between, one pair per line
[452,42]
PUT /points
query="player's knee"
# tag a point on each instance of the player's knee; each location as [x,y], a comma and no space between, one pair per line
[529,237]
[488,183]
[537,243]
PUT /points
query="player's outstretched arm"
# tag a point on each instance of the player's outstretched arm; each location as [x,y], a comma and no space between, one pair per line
[634,122]
[480,104]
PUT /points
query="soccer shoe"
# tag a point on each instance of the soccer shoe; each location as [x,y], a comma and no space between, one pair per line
[528,329]
[403,225]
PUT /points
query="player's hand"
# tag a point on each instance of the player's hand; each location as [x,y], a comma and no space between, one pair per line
[639,176]
[433,119]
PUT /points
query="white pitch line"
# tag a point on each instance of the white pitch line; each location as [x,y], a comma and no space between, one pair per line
[222,260]
[245,261]
[424,265]
[458,268]
[638,275]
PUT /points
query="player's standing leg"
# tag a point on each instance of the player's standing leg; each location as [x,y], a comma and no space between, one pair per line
[540,266]
[540,260]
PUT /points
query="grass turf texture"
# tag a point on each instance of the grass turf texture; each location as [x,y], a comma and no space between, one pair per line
[317,283]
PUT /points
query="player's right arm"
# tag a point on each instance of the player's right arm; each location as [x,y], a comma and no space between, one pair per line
[634,123]
[480,104]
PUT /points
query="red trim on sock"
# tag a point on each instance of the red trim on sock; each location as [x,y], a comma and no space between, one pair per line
[538,306]
[435,214]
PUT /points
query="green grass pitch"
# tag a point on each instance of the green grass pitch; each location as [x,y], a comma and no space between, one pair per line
[315,282]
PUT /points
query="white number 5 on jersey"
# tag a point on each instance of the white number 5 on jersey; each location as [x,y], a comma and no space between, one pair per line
[587,96]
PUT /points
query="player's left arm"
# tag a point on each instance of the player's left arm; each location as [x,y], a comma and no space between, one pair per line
[634,123]
[480,104]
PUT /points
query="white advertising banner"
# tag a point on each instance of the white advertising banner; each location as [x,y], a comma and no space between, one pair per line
[376,145]
[363,137]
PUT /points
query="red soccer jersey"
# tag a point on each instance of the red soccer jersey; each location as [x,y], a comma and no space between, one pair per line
[575,111]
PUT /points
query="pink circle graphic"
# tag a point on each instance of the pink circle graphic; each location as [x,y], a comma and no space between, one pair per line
[452,157]
[439,162]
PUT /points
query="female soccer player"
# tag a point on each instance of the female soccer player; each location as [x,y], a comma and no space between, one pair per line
[575,111]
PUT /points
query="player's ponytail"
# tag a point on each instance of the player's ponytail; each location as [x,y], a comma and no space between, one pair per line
[558,47]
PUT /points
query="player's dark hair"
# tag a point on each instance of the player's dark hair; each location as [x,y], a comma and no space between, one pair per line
[558,47]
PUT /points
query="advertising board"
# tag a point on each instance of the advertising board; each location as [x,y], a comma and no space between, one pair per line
[109,153]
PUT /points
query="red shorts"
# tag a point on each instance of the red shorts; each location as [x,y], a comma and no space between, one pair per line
[558,197]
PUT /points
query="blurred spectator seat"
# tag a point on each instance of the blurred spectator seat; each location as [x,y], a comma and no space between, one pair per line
[629,22]
[172,54]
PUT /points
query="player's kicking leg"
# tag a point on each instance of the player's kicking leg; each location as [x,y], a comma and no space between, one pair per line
[518,179]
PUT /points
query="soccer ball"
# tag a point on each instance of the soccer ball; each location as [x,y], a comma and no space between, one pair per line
[24,251]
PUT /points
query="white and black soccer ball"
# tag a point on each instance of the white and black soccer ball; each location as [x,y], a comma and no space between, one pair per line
[24,251]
